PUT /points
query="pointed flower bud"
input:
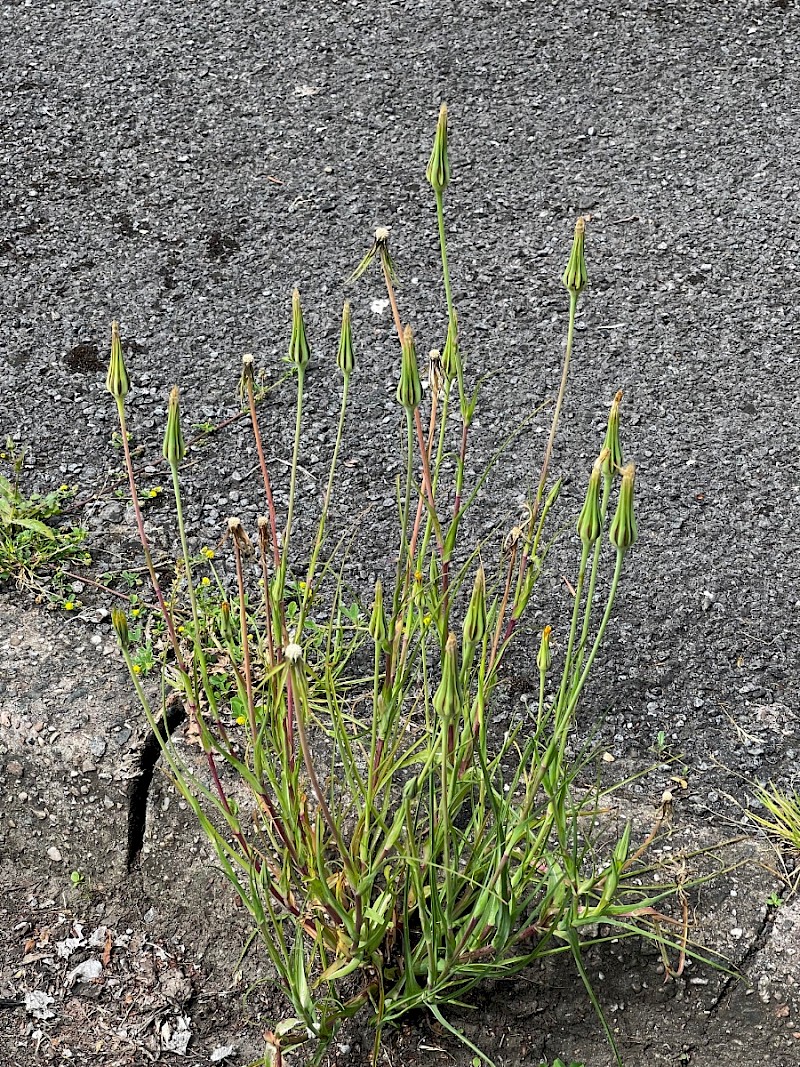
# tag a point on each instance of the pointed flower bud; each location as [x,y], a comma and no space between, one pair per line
[575,276]
[345,359]
[544,656]
[377,620]
[248,378]
[438,170]
[475,619]
[447,698]
[590,521]
[613,461]
[299,352]
[174,447]
[623,532]
[120,623]
[117,381]
[409,388]
[225,624]
[451,354]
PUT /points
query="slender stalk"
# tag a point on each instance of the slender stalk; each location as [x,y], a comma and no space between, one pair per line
[248,674]
[443,249]
[301,375]
[264,472]
[148,558]
[198,641]
[548,452]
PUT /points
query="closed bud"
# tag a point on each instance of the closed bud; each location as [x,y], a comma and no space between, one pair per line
[447,698]
[117,381]
[475,619]
[623,531]
[345,359]
[248,378]
[544,656]
[613,461]
[451,354]
[225,624]
[377,620]
[174,447]
[438,169]
[120,623]
[590,521]
[299,352]
[575,276]
[409,388]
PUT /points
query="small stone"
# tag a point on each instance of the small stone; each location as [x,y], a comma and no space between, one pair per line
[97,747]
[54,854]
[15,768]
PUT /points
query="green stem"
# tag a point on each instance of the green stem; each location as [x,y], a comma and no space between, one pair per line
[443,248]
[292,484]
[198,642]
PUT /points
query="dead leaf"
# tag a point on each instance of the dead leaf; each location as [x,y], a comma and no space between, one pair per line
[106,957]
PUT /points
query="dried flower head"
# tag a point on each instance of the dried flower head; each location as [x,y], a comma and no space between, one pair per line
[379,248]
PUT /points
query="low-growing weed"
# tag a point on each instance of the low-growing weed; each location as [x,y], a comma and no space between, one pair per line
[393,844]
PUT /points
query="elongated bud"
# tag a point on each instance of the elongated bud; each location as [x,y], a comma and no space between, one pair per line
[451,354]
[174,447]
[575,276]
[299,352]
[590,521]
[623,532]
[344,357]
[438,169]
[475,619]
[409,388]
[225,624]
[544,657]
[377,620]
[447,698]
[614,459]
[120,623]
[117,381]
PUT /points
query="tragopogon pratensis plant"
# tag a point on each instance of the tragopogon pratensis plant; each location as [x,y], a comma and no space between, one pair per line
[442,851]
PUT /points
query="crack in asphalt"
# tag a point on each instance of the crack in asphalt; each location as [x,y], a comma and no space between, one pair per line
[139,789]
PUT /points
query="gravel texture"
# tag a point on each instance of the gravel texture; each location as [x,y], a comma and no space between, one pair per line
[181,166]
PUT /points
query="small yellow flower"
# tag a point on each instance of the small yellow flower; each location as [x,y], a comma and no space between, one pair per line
[63,488]
[206,581]
[69,605]
[302,586]
[136,612]
[427,620]
[137,669]
[241,720]
[206,552]
[181,629]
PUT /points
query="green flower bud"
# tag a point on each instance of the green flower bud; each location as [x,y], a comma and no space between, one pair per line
[575,276]
[409,388]
[344,358]
[623,532]
[117,381]
[447,698]
[120,623]
[438,169]
[377,620]
[225,624]
[174,447]
[544,656]
[451,354]
[613,461]
[299,352]
[475,619]
[590,521]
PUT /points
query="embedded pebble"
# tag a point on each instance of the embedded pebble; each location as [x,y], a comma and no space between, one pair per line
[54,854]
